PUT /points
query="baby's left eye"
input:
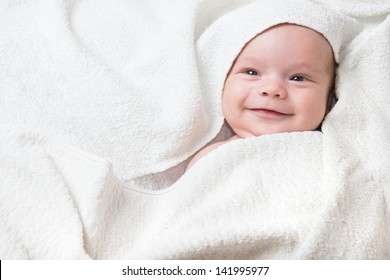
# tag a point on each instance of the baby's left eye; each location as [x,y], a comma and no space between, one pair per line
[251,72]
[297,78]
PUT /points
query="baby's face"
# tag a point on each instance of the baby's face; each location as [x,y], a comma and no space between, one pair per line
[280,82]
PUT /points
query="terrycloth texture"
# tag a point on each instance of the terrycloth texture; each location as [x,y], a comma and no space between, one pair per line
[359,8]
[38,216]
[114,78]
[127,81]
[285,196]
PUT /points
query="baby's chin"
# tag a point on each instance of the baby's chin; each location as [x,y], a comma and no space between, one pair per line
[246,134]
[257,133]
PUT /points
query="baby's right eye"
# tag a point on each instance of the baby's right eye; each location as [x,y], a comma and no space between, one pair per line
[251,72]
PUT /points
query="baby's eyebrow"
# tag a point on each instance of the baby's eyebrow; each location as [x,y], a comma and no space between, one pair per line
[247,61]
[246,58]
[299,66]
[303,66]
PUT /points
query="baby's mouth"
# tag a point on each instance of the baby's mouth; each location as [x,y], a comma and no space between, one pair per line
[269,114]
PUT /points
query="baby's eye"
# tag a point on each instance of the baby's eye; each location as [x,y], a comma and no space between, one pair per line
[251,72]
[297,78]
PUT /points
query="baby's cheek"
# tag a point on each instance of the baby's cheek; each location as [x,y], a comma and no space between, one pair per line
[313,114]
[318,116]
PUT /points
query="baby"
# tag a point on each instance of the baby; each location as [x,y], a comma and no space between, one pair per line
[282,81]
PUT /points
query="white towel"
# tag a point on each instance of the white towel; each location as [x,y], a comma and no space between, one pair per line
[302,195]
[115,78]
[37,214]
[359,8]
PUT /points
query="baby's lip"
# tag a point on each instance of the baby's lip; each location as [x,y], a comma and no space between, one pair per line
[270,112]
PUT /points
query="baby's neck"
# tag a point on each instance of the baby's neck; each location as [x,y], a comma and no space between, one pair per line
[234,137]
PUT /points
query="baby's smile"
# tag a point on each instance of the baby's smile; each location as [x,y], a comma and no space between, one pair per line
[269,114]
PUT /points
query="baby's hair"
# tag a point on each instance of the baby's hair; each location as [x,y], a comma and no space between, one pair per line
[332,99]
[332,93]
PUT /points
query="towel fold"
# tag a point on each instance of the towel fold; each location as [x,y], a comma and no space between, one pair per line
[37,212]
[100,101]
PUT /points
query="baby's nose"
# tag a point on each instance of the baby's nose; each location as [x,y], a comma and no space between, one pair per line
[272,87]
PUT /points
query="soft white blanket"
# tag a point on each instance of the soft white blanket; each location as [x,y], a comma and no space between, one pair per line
[102,102]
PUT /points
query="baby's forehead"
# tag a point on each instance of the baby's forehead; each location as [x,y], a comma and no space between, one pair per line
[288,32]
[285,39]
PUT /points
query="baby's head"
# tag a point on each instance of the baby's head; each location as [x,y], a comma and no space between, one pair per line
[280,34]
[282,81]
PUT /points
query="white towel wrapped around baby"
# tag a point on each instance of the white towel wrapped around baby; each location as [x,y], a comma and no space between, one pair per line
[89,118]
